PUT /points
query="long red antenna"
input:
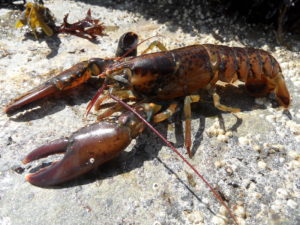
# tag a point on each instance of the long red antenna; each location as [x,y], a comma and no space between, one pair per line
[178,153]
[94,99]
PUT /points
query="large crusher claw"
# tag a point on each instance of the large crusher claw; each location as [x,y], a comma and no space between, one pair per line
[86,149]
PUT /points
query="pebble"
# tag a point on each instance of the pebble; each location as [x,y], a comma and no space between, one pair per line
[218,220]
[222,211]
[219,163]
[195,217]
[292,164]
[270,118]
[261,164]
[229,171]
[252,186]
[214,131]
[229,134]
[155,186]
[222,138]
[244,141]
[257,195]
[281,193]
[277,147]
[294,155]
[292,204]
[281,159]
[277,205]
[295,128]
[157,223]
[241,221]
[256,148]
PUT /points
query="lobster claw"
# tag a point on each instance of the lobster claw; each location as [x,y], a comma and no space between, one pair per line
[86,149]
[31,96]
[68,79]
[76,75]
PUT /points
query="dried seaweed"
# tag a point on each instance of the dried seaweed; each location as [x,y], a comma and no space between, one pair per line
[37,16]
[87,28]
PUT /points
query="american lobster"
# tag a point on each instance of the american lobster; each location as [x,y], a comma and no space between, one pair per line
[148,80]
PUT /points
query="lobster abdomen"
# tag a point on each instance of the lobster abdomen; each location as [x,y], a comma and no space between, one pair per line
[257,68]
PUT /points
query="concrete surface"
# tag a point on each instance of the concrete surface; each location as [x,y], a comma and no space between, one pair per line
[254,163]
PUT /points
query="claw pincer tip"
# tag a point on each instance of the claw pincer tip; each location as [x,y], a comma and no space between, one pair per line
[31,96]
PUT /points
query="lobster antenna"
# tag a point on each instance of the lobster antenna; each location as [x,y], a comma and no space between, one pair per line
[94,99]
[178,153]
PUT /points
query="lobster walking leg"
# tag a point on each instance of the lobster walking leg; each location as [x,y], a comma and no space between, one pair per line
[157,44]
[188,100]
[166,113]
[124,94]
[115,108]
[222,107]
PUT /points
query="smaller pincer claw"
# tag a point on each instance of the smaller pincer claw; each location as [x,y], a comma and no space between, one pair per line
[86,149]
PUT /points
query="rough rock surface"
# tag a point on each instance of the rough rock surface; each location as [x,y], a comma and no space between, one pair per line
[254,163]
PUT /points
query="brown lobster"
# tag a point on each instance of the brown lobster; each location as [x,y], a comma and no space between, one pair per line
[149,80]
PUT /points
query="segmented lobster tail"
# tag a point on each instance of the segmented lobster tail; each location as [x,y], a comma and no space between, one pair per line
[257,68]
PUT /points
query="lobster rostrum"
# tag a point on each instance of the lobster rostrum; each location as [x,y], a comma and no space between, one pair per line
[147,80]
